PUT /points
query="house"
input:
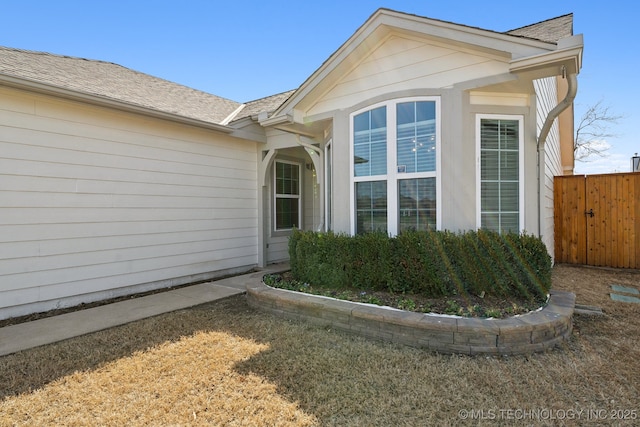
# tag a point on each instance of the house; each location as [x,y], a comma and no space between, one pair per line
[114,182]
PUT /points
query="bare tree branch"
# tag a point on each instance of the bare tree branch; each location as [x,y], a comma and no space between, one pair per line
[593,131]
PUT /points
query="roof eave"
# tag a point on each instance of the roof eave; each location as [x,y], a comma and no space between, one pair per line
[568,54]
[275,120]
[43,88]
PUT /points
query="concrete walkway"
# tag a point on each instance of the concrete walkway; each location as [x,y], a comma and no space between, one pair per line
[57,328]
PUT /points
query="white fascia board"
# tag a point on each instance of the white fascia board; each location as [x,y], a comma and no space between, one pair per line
[101,101]
[569,54]
[230,117]
[464,34]
[277,120]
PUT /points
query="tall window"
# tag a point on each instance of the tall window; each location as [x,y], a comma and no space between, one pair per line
[370,164]
[416,149]
[500,173]
[395,156]
[287,195]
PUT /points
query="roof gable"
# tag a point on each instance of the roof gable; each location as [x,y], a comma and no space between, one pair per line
[402,62]
[113,82]
[385,23]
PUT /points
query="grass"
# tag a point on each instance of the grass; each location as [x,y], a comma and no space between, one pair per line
[227,364]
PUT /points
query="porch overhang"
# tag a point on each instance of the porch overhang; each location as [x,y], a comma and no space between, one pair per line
[276,120]
[294,123]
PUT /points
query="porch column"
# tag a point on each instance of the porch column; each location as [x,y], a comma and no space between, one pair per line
[318,164]
[265,160]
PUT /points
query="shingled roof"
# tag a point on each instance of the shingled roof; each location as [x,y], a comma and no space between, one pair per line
[115,82]
[106,80]
[550,30]
[268,104]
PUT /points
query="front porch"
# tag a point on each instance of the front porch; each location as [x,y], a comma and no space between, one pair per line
[293,191]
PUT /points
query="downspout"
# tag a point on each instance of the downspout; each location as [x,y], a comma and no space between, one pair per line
[572,90]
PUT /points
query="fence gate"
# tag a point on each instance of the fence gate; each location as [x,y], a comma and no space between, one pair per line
[597,220]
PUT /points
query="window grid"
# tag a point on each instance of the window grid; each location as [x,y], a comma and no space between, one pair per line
[500,175]
[417,204]
[287,196]
[371,206]
[408,174]
[370,142]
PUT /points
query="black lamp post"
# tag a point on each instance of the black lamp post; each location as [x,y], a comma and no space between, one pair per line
[635,163]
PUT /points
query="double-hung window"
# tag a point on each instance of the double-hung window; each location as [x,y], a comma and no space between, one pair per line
[287,195]
[395,147]
[500,173]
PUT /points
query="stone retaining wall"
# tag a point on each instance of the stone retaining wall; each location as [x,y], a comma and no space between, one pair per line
[524,334]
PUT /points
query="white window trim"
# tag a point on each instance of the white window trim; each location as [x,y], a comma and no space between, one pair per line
[392,176]
[287,196]
[521,201]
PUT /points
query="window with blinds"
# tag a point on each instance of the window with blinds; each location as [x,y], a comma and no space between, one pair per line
[395,162]
[370,142]
[371,206]
[500,146]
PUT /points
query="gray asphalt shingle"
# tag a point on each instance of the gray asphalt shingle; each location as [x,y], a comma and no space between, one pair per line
[115,82]
[267,104]
[550,30]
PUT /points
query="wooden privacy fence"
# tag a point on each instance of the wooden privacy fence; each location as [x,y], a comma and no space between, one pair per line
[597,220]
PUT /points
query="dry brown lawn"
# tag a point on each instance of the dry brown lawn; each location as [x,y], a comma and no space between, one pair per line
[227,364]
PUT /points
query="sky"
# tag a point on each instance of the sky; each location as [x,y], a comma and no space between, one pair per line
[246,50]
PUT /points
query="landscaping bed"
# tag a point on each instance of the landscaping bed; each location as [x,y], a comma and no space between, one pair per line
[526,334]
[475,292]
[480,306]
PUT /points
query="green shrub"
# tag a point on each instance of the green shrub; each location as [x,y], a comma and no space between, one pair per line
[432,263]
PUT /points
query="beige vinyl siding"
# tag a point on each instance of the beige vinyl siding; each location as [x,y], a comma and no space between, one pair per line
[404,63]
[278,249]
[95,201]
[546,100]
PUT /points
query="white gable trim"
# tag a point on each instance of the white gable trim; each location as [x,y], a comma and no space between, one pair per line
[384,21]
